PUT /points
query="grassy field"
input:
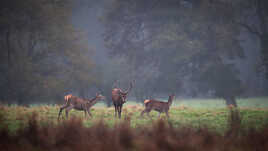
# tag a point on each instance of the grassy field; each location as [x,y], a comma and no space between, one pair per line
[196,113]
[203,125]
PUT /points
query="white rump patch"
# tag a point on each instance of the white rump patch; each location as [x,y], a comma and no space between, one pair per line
[146,101]
[67,97]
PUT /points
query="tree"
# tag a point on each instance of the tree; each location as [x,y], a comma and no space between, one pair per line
[252,15]
[45,56]
[180,38]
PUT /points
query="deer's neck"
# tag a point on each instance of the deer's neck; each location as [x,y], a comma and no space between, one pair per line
[93,101]
[170,99]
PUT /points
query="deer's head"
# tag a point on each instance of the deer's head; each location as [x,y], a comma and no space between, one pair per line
[124,93]
[99,96]
[170,98]
[119,94]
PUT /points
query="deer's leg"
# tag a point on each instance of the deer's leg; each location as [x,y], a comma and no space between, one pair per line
[85,111]
[159,113]
[67,110]
[147,112]
[115,110]
[88,112]
[62,108]
[119,110]
[167,114]
[142,112]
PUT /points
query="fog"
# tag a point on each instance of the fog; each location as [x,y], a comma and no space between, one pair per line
[88,18]
[195,49]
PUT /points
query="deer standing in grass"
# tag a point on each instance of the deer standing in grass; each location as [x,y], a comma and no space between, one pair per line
[73,102]
[119,98]
[159,106]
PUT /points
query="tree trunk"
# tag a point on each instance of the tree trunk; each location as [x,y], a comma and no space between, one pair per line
[262,32]
[20,101]
[230,101]
[262,15]
[264,51]
[8,63]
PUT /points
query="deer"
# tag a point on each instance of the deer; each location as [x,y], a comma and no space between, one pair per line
[74,102]
[119,98]
[159,106]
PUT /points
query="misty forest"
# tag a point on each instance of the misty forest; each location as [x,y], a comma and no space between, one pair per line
[202,63]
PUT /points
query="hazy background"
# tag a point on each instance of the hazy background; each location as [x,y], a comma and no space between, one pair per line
[195,49]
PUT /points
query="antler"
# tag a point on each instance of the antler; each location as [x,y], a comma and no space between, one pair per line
[130,87]
[116,84]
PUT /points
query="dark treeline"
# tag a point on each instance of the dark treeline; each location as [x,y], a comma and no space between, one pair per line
[42,55]
[191,48]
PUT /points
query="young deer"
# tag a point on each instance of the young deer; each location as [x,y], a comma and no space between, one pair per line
[158,106]
[73,102]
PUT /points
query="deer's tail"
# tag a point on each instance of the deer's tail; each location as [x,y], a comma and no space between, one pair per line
[66,98]
[146,102]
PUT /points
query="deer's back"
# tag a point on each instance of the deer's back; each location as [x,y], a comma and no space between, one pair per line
[76,101]
[156,105]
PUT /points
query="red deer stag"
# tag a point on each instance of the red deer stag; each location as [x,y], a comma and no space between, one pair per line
[73,102]
[158,106]
[119,98]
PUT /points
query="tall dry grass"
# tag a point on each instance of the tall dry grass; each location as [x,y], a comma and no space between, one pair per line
[73,135]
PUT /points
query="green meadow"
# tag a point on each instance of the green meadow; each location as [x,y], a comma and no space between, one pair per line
[209,113]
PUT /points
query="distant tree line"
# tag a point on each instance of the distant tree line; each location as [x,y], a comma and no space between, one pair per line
[186,47]
[184,42]
[42,55]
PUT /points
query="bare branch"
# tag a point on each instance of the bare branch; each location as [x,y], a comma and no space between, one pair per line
[249,28]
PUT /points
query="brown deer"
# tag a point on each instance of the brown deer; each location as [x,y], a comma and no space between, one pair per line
[159,106]
[119,98]
[73,102]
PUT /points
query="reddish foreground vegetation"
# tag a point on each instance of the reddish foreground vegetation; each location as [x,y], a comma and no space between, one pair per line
[72,135]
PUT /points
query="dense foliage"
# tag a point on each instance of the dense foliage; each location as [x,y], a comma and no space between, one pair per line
[181,42]
[191,48]
[42,56]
